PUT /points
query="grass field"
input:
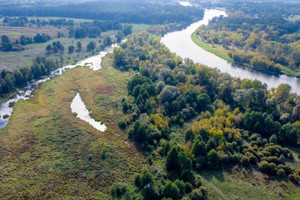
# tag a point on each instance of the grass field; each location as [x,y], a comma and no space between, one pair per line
[14,60]
[46,152]
[241,184]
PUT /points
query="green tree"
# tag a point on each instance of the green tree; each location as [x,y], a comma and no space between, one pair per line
[91,46]
[172,159]
[71,49]
[199,148]
[171,190]
[213,157]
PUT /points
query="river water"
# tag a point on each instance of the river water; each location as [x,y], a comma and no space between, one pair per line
[78,107]
[180,42]
[94,62]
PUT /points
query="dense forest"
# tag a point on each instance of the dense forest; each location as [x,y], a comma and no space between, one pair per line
[235,122]
[122,11]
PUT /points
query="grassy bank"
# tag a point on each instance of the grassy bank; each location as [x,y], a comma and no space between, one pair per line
[46,152]
[218,51]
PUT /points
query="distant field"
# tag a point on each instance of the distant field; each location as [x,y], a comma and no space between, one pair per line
[14,33]
[13,60]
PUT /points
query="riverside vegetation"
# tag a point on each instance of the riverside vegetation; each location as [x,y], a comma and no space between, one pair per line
[231,122]
[259,39]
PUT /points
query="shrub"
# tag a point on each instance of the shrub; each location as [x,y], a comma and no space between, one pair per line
[150,193]
[264,166]
[253,160]
[294,178]
[273,139]
[189,135]
[188,187]
[245,161]
[122,124]
[236,158]
[137,181]
[118,190]
[281,173]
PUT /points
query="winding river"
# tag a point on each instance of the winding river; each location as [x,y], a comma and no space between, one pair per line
[180,42]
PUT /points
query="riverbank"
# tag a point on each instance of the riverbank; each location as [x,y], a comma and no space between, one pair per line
[210,48]
[221,52]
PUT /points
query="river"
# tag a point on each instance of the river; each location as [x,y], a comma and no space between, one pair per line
[180,42]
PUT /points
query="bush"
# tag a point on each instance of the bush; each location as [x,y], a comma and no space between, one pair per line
[188,187]
[198,181]
[273,139]
[245,161]
[281,173]
[236,158]
[118,190]
[253,160]
[198,194]
[138,181]
[149,193]
[122,124]
[264,166]
[294,178]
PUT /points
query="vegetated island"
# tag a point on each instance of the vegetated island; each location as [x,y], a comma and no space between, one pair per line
[266,41]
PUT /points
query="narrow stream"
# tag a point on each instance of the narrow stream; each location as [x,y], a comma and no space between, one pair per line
[78,107]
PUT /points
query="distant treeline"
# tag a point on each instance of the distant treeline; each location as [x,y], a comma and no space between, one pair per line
[263,8]
[121,11]
[93,29]
[41,66]
[7,45]
[23,21]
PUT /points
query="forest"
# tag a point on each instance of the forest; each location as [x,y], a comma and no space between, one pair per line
[235,122]
[132,11]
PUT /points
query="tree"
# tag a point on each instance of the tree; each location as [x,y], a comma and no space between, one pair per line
[283,92]
[107,41]
[71,49]
[79,46]
[172,159]
[171,190]
[199,148]
[49,47]
[91,46]
[189,135]
[213,157]
[150,193]
[119,56]
[169,93]
[211,144]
